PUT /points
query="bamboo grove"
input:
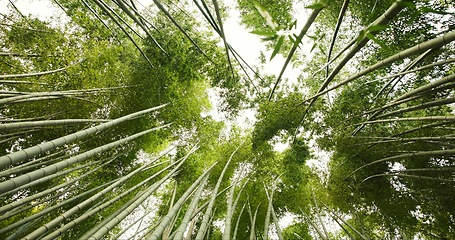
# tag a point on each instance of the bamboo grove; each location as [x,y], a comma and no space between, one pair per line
[106,131]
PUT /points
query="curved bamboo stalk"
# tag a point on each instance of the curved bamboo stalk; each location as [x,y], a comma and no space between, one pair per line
[101,207]
[442,62]
[419,48]
[171,225]
[26,178]
[106,6]
[49,209]
[160,228]
[234,236]
[16,54]
[406,68]
[12,158]
[253,224]
[277,225]
[203,206]
[324,229]
[25,75]
[191,208]
[267,215]
[46,123]
[99,18]
[208,16]
[430,169]
[428,118]
[109,218]
[229,213]
[170,203]
[41,202]
[205,219]
[207,236]
[408,175]
[9,139]
[223,35]
[440,138]
[420,106]
[191,229]
[316,228]
[47,178]
[236,201]
[125,9]
[436,153]
[28,199]
[79,207]
[20,82]
[338,218]
[139,220]
[426,87]
[378,110]
[33,164]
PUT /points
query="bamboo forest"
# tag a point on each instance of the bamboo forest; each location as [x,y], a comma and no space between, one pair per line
[157,119]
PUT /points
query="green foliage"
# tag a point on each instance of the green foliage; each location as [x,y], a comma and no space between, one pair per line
[276,116]
[297,231]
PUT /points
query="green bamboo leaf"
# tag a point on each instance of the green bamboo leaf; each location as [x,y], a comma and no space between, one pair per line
[408,4]
[429,10]
[277,47]
[362,34]
[292,39]
[377,41]
[319,5]
[312,37]
[266,15]
[293,25]
[313,47]
[264,33]
[270,38]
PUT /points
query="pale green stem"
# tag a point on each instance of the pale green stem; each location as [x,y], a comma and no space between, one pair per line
[24,75]
[50,209]
[160,228]
[422,47]
[189,212]
[410,176]
[253,224]
[234,236]
[46,123]
[436,153]
[101,207]
[12,158]
[208,212]
[79,207]
[28,177]
[23,201]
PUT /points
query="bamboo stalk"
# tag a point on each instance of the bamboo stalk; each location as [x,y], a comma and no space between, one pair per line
[434,43]
[436,153]
[12,158]
[26,178]
[160,228]
[101,207]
